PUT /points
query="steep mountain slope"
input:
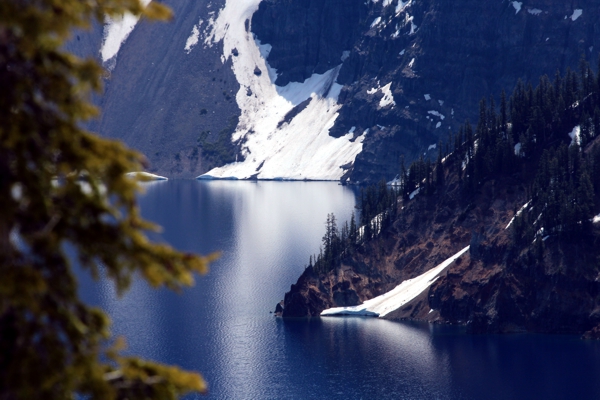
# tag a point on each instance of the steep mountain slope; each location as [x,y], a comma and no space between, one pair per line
[322,89]
[417,68]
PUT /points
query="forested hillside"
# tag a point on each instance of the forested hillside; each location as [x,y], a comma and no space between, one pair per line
[521,187]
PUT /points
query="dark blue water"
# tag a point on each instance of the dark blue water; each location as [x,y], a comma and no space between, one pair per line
[222,327]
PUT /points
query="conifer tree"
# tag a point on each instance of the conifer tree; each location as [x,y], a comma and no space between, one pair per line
[59,186]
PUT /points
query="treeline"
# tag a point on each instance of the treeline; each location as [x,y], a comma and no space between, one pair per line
[378,210]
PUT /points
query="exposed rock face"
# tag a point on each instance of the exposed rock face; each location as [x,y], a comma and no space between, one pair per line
[308,36]
[161,99]
[438,56]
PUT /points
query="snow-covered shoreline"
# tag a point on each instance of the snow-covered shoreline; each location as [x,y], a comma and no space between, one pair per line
[382,305]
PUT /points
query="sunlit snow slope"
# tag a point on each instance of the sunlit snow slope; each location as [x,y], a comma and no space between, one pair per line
[116,31]
[283,131]
[397,297]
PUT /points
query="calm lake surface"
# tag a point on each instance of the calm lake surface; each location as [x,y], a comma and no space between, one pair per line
[222,327]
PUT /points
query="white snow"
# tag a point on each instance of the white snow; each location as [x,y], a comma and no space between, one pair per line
[382,305]
[518,149]
[441,102]
[517,214]
[596,219]
[414,193]
[517,5]
[192,40]
[116,31]
[438,124]
[413,27]
[402,52]
[575,135]
[376,22]
[388,98]
[437,114]
[534,11]
[411,63]
[402,5]
[576,14]
[387,2]
[432,147]
[345,55]
[427,97]
[146,175]
[273,149]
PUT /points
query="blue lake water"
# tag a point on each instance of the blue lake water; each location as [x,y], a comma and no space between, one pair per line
[222,326]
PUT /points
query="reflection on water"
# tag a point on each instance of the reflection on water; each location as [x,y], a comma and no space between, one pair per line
[222,326]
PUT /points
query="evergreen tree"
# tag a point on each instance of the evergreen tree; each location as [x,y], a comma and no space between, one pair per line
[61,185]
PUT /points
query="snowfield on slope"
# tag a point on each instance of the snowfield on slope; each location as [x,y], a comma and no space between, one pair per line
[283,131]
[116,31]
[382,305]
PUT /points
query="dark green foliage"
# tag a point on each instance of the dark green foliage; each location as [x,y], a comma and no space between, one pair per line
[378,209]
[222,150]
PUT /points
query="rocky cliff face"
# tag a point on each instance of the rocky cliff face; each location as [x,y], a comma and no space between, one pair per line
[163,99]
[439,58]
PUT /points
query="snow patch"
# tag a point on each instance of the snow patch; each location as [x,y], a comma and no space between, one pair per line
[192,40]
[116,31]
[517,5]
[576,14]
[283,132]
[432,147]
[402,5]
[534,11]
[517,214]
[388,98]
[146,176]
[427,97]
[382,305]
[441,102]
[402,52]
[375,22]
[437,114]
[413,27]
[596,219]
[518,149]
[414,193]
[438,125]
[575,135]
